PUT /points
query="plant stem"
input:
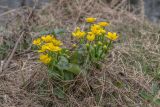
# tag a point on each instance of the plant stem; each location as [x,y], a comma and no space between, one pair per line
[109,44]
[105,51]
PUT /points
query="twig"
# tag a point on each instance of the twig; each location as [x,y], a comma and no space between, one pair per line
[2,62]
[142,9]
[10,11]
[13,51]
[31,13]
[4,7]
[120,4]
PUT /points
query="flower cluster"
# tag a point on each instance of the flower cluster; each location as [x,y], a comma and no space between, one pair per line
[91,45]
[97,39]
[48,44]
[78,33]
[96,29]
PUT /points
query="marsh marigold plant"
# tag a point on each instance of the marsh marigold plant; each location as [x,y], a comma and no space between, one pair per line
[92,44]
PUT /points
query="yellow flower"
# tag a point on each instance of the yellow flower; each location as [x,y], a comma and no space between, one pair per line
[90,36]
[103,24]
[102,31]
[52,47]
[56,42]
[112,36]
[97,29]
[37,41]
[43,48]
[56,49]
[47,38]
[90,19]
[78,33]
[45,58]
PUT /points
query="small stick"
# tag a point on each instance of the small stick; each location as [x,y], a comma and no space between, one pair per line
[12,53]
[10,11]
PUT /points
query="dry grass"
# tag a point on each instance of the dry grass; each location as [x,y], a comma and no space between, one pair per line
[132,66]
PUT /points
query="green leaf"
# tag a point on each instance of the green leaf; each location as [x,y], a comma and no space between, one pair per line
[58,31]
[100,52]
[78,57]
[73,68]
[63,63]
[45,32]
[155,88]
[74,58]
[157,101]
[68,76]
[146,96]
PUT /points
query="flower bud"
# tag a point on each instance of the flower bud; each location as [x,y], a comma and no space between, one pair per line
[74,45]
[99,43]
[95,45]
[67,50]
[104,47]
[87,45]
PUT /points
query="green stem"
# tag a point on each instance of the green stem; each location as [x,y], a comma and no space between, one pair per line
[62,73]
[103,39]
[98,48]
[106,50]
[110,42]
[102,53]
[89,52]
[57,57]
[82,41]
[95,51]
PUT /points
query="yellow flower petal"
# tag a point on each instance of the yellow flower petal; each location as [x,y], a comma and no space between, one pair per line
[90,37]
[90,19]
[45,58]
[37,41]
[52,47]
[47,38]
[57,42]
[78,33]
[103,24]
[97,30]
[112,36]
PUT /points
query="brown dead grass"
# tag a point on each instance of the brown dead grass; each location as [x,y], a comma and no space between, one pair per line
[118,82]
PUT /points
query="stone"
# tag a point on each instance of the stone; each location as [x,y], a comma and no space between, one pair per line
[152,10]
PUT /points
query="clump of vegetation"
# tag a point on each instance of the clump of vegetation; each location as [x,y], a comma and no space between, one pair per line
[91,45]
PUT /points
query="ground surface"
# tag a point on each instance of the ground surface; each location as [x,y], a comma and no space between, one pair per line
[128,75]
